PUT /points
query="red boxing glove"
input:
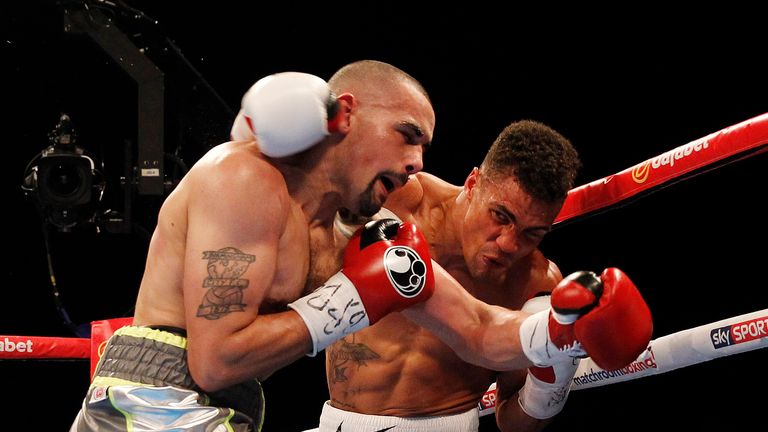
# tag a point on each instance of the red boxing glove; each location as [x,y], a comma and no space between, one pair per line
[604,317]
[386,268]
[615,325]
[403,278]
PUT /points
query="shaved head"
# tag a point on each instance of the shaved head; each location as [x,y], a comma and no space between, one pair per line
[369,78]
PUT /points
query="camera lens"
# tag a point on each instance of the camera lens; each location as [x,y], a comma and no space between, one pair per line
[65,179]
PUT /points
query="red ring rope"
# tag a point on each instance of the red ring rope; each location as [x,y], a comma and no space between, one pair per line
[733,143]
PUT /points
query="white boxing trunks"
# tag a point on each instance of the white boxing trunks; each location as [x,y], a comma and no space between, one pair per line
[336,420]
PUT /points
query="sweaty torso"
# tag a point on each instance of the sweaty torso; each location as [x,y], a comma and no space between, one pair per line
[398,368]
[161,297]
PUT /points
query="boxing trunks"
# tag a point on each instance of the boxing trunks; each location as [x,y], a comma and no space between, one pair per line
[336,420]
[142,382]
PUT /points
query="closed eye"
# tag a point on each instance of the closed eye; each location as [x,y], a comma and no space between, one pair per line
[413,134]
[501,217]
[536,235]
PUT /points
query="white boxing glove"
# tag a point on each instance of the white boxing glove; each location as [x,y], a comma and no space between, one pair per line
[287,113]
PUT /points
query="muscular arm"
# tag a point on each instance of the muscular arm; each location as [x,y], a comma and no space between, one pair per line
[485,335]
[479,333]
[236,216]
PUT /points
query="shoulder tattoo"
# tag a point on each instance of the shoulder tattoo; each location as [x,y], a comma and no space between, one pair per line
[224,285]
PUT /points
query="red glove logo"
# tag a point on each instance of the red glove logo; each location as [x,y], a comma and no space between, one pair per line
[406,270]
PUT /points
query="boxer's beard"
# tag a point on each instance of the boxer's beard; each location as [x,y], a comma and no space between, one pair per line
[368,205]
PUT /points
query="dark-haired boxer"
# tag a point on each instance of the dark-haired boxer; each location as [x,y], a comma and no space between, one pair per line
[398,375]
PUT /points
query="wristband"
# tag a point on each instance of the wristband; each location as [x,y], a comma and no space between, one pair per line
[331,312]
[542,400]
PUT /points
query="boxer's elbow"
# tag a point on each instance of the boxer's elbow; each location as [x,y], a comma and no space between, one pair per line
[216,367]
[212,373]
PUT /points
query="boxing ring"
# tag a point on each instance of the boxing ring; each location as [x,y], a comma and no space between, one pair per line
[727,336]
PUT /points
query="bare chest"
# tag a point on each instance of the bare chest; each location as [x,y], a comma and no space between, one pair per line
[325,257]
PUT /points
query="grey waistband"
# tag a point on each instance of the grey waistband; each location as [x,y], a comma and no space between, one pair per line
[157,357]
[146,356]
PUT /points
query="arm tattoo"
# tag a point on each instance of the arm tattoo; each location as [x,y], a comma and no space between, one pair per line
[225,288]
[345,354]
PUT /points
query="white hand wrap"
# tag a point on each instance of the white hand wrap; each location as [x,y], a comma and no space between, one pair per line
[534,336]
[331,312]
[542,400]
[534,331]
[287,113]
[539,399]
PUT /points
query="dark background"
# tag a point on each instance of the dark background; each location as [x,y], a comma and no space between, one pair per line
[624,87]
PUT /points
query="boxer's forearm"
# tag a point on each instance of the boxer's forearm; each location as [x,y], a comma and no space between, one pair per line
[479,333]
[510,417]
